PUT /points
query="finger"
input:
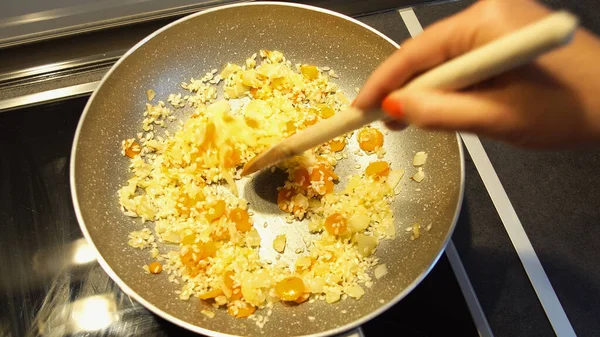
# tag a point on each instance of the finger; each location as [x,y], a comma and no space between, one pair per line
[449,111]
[438,43]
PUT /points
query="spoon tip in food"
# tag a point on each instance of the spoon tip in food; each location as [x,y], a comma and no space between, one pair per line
[251,166]
[265,160]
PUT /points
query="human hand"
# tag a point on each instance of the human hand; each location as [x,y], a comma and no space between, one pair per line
[552,103]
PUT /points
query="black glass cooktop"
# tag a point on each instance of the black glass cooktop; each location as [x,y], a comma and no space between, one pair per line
[50,284]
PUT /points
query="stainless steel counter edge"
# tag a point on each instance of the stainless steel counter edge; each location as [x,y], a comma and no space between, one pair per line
[21,75]
[48,96]
[107,23]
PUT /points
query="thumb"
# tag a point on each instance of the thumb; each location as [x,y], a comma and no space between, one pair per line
[447,111]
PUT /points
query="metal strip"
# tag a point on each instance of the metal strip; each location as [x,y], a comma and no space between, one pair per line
[468,292]
[411,21]
[48,96]
[532,265]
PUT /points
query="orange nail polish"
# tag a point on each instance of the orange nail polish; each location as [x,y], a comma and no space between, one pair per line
[392,107]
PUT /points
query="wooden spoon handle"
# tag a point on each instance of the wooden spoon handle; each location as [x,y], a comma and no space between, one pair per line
[485,62]
[501,55]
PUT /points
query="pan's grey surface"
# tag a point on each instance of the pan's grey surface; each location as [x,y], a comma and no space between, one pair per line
[198,44]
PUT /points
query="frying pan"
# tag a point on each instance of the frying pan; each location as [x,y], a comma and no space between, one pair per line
[203,41]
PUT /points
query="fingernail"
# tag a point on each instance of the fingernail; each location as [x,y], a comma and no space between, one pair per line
[392,107]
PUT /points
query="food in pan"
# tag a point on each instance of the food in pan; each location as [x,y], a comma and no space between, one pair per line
[185,183]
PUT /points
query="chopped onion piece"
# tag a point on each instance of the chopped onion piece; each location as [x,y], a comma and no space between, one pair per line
[253,238]
[390,230]
[150,94]
[316,284]
[230,69]
[380,271]
[279,243]
[420,158]
[355,291]
[394,178]
[219,107]
[303,263]
[261,279]
[419,176]
[171,237]
[332,297]
[416,232]
[208,313]
[314,226]
[365,244]
[359,222]
[221,300]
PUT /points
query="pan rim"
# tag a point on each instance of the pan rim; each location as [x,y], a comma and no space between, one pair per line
[197,329]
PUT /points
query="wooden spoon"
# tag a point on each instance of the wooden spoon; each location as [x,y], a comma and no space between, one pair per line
[478,65]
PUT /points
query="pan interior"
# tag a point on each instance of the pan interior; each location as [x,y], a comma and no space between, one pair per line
[207,41]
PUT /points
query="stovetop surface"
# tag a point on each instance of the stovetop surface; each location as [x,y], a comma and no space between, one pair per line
[44,266]
[50,284]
